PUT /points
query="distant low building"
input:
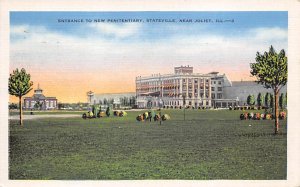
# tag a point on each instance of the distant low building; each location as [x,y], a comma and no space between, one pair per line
[114,100]
[40,101]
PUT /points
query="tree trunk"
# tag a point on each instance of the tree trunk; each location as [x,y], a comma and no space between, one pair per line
[21,112]
[276,94]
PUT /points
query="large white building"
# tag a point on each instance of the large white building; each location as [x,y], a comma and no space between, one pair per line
[183,88]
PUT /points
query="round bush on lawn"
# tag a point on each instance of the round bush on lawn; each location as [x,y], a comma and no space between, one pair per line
[242,117]
[251,115]
[122,114]
[257,116]
[140,117]
[246,115]
[282,115]
[268,116]
[156,117]
[165,117]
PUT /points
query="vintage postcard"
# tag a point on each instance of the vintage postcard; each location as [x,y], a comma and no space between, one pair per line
[141,96]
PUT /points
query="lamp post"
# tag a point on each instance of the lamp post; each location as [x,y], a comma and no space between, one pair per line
[183,96]
[160,102]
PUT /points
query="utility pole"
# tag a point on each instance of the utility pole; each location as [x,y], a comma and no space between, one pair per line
[183,96]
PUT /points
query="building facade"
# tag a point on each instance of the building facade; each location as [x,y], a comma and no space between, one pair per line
[183,88]
[39,101]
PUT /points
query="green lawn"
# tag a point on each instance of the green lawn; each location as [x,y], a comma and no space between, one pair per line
[207,145]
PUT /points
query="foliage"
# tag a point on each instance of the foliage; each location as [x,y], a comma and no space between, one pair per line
[272,101]
[282,101]
[38,105]
[250,100]
[270,70]
[13,106]
[19,84]
[107,112]
[260,99]
[268,100]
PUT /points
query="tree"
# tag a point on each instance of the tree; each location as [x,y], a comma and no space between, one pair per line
[250,100]
[282,101]
[272,102]
[105,101]
[38,105]
[13,106]
[268,100]
[19,84]
[132,101]
[260,99]
[270,70]
[107,112]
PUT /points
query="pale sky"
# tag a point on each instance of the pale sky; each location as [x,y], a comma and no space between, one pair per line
[69,59]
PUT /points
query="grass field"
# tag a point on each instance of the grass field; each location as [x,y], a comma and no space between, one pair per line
[207,145]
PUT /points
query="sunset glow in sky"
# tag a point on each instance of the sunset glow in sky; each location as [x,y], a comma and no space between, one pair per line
[69,59]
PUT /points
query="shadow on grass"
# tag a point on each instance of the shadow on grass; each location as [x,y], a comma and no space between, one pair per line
[255,134]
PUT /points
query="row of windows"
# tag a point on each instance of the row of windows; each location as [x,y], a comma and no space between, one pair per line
[219,89]
[219,96]
[215,82]
[189,103]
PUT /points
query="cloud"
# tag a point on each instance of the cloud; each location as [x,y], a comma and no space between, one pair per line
[117,30]
[45,49]
[269,34]
[19,29]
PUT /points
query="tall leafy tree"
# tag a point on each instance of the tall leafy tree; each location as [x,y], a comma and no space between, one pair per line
[267,99]
[250,100]
[19,84]
[282,101]
[272,102]
[270,70]
[260,99]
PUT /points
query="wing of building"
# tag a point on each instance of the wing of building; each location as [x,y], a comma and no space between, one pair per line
[186,88]
[40,101]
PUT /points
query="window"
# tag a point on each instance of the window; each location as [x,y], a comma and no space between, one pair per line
[219,96]
[183,80]
[219,82]
[212,88]
[213,96]
[196,81]
[219,88]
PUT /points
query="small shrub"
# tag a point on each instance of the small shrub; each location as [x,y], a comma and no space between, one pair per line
[165,117]
[156,117]
[251,115]
[282,115]
[242,117]
[268,116]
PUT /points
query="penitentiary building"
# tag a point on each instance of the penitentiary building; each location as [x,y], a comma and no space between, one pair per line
[183,88]
[186,88]
[40,101]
